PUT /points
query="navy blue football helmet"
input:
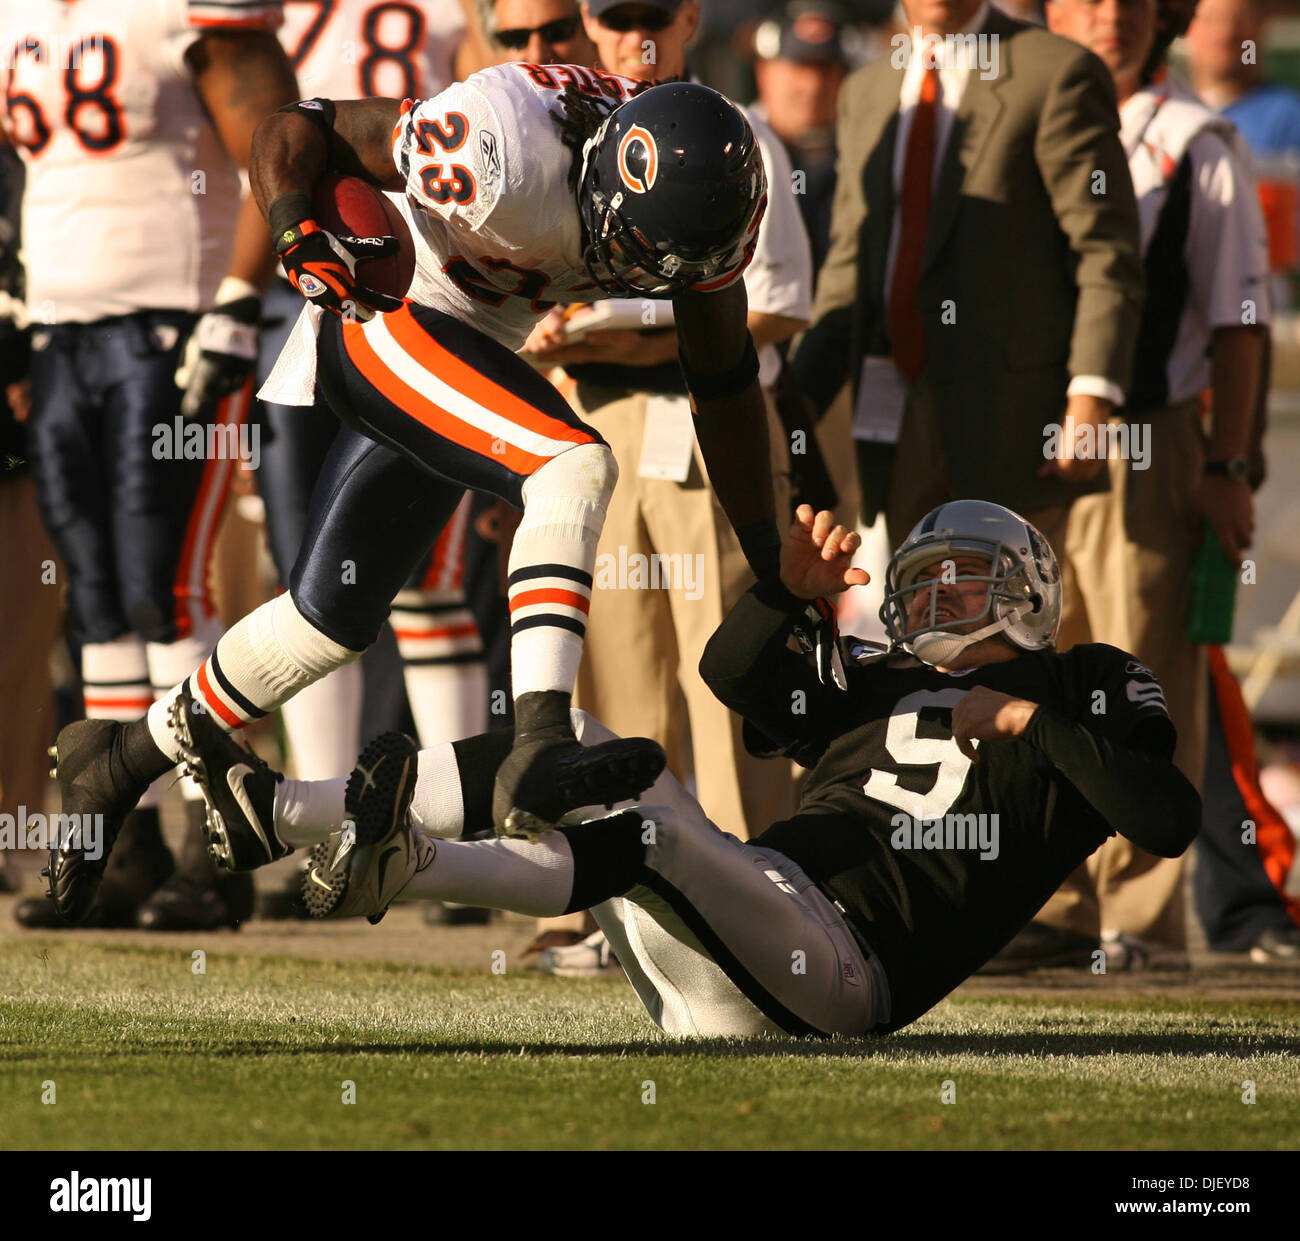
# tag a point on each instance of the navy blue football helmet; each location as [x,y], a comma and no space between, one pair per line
[671,193]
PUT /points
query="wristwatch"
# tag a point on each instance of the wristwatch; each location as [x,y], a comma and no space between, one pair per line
[1234,468]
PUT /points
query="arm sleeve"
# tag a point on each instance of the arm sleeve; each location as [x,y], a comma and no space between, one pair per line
[1134,787]
[1227,249]
[822,361]
[1082,163]
[749,668]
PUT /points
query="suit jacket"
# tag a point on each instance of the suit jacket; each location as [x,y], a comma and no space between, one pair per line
[1032,245]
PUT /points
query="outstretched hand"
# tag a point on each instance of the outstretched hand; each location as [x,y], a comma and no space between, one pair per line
[816,555]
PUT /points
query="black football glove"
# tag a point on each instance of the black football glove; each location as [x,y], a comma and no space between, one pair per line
[322,267]
[220,354]
[818,633]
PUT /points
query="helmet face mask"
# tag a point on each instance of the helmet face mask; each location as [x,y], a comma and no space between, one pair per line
[1022,587]
[671,193]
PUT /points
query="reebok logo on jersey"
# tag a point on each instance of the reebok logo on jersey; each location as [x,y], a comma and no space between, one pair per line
[1146,694]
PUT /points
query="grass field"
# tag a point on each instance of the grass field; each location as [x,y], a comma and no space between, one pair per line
[145,1054]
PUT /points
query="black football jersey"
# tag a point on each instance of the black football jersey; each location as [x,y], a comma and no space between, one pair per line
[939,861]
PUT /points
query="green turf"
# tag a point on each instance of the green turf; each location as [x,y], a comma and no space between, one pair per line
[253,1054]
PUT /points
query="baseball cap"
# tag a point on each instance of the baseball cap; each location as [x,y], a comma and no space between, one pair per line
[597,7]
[808,33]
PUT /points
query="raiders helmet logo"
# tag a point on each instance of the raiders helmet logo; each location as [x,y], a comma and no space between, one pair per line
[638,159]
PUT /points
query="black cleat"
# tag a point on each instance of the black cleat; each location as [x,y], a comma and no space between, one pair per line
[238,790]
[360,868]
[543,779]
[188,904]
[97,796]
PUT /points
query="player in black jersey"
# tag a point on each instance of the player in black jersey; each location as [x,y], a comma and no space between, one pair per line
[957,777]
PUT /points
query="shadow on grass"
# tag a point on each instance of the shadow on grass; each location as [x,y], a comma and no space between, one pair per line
[892,1048]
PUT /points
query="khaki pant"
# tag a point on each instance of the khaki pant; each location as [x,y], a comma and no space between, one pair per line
[1126,558]
[1131,551]
[640,669]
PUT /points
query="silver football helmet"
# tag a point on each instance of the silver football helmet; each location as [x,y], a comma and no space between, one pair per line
[1023,596]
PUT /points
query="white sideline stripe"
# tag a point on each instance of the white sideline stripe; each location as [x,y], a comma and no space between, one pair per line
[459,406]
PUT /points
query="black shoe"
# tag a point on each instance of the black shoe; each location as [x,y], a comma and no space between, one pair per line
[238,789]
[140,864]
[440,913]
[187,904]
[37,913]
[98,794]
[284,904]
[1277,947]
[1042,947]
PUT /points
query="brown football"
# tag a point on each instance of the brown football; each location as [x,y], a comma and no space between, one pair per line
[349,206]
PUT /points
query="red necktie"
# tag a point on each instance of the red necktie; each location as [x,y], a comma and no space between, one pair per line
[905,328]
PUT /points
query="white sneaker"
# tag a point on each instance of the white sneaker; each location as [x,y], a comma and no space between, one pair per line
[586,959]
[361,868]
[1127,953]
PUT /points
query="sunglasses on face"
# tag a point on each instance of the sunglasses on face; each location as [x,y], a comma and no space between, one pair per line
[558,31]
[621,23]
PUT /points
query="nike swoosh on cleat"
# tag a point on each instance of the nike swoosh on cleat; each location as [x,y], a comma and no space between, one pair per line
[319,882]
[235,779]
[349,838]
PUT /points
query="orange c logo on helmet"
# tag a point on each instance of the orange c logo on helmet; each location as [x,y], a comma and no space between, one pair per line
[638,159]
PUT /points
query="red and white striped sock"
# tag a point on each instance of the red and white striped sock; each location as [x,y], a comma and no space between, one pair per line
[115,686]
[442,661]
[259,664]
[551,565]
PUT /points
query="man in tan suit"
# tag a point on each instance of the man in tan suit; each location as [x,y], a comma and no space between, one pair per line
[976,307]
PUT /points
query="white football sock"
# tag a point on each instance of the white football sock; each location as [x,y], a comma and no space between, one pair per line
[115,686]
[526,878]
[323,724]
[259,664]
[551,565]
[306,811]
[442,662]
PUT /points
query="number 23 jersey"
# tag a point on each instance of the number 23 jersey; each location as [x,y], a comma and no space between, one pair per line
[131,200]
[495,221]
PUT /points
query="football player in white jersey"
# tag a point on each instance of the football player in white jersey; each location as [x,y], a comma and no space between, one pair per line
[350,49]
[521,186]
[133,120]
[344,49]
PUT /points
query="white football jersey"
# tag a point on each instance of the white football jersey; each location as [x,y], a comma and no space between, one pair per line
[497,234]
[355,49]
[131,200]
